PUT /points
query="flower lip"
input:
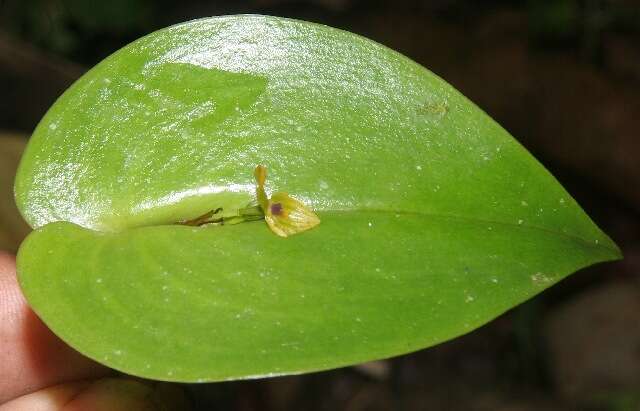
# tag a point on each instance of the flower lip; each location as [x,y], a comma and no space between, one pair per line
[276,209]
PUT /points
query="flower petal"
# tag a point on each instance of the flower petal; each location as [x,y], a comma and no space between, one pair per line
[287,216]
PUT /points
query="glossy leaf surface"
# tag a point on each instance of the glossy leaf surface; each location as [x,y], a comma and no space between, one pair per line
[433,219]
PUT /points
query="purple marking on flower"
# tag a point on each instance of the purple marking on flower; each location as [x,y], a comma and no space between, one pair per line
[276,209]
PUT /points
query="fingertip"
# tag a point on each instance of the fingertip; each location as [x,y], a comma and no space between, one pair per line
[32,356]
[49,399]
[106,394]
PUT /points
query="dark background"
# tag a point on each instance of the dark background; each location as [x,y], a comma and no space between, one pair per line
[562,76]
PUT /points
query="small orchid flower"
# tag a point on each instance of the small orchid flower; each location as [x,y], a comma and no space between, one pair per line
[284,214]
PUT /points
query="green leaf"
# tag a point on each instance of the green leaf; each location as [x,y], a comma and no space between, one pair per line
[433,219]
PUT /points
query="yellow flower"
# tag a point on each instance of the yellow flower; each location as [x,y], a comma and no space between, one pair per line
[284,214]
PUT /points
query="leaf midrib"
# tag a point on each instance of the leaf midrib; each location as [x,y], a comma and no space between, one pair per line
[594,243]
[590,243]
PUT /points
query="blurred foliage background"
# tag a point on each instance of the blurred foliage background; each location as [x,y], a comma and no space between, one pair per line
[563,76]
